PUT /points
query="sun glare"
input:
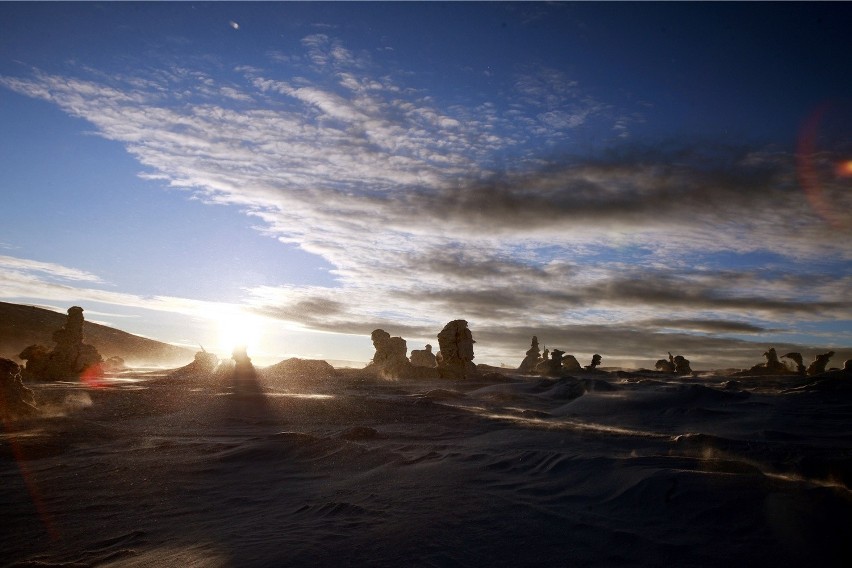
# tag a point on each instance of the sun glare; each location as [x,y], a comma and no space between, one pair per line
[238,328]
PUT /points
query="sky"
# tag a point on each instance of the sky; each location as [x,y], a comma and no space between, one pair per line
[628,179]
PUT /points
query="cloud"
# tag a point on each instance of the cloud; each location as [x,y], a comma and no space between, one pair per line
[23,266]
[432,211]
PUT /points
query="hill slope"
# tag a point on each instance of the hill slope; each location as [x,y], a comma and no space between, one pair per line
[21,326]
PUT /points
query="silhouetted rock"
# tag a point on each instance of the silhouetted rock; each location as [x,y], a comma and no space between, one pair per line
[424,357]
[772,366]
[666,365]
[243,379]
[456,344]
[390,360]
[36,359]
[300,371]
[533,357]
[16,400]
[817,366]
[797,359]
[203,365]
[70,357]
[596,360]
[570,364]
[553,366]
[682,365]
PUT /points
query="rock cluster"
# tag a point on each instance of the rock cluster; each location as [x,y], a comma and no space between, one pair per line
[16,400]
[553,366]
[70,358]
[678,365]
[453,361]
[772,366]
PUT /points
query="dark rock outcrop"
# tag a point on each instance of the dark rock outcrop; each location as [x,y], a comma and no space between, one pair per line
[553,366]
[16,400]
[596,360]
[681,364]
[70,357]
[533,357]
[456,344]
[797,359]
[203,365]
[772,366]
[570,364]
[665,365]
[817,366]
[299,371]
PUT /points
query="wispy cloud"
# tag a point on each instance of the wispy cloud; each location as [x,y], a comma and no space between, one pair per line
[15,265]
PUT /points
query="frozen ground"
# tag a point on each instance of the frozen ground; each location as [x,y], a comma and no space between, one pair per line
[601,470]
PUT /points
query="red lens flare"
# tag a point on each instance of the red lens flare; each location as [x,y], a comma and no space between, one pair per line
[824,165]
[92,376]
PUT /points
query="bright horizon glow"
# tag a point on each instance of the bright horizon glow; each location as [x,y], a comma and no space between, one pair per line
[239,328]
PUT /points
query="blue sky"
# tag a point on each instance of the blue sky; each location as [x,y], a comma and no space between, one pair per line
[627,179]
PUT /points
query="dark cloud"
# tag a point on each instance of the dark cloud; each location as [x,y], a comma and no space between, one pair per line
[705,325]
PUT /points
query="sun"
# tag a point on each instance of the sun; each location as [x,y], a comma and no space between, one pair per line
[239,328]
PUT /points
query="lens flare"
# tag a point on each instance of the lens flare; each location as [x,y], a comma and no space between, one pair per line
[823,169]
[844,169]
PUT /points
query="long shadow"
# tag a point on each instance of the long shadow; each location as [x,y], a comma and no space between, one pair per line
[246,399]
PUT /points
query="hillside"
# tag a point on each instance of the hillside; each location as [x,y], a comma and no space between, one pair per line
[21,326]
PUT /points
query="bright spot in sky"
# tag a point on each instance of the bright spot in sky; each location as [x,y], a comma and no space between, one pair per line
[234,25]
[237,328]
[844,169]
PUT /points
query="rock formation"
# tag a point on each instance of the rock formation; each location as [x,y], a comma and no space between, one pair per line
[772,366]
[424,357]
[16,400]
[666,365]
[553,366]
[570,363]
[817,366]
[299,371]
[681,364]
[203,365]
[596,360]
[456,344]
[533,357]
[390,359]
[797,359]
[243,376]
[69,358]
